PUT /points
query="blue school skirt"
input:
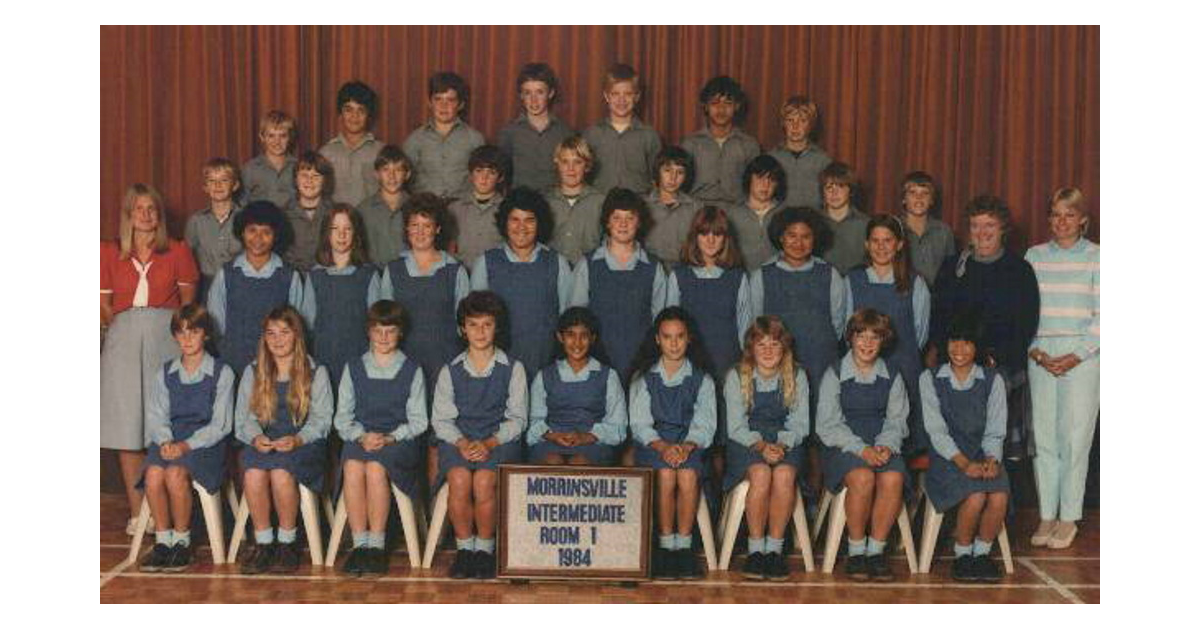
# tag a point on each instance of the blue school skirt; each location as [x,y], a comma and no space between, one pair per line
[306,464]
[205,465]
[401,460]
[947,486]
[837,463]
[646,456]
[599,454]
[738,460]
[449,457]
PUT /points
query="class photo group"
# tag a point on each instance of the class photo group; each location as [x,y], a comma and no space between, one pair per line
[374,319]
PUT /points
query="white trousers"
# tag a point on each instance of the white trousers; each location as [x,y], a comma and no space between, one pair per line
[1065,411]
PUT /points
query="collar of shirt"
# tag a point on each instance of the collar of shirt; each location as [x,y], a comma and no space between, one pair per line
[683,372]
[848,371]
[410,263]
[236,208]
[431,127]
[853,213]
[512,256]
[498,356]
[487,207]
[267,270]
[764,383]
[587,191]
[523,120]
[208,366]
[711,273]
[398,358]
[293,209]
[602,253]
[948,373]
[873,277]
[567,374]
[368,138]
[634,123]
[734,134]
[778,261]
[261,160]
[1081,244]
[680,198]
[337,271]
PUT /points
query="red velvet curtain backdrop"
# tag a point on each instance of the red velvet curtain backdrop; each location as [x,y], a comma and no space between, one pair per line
[1007,110]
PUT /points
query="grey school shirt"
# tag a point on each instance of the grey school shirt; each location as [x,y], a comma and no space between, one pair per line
[306,234]
[670,225]
[532,151]
[751,232]
[475,227]
[930,249]
[803,172]
[847,248]
[212,241]
[719,166]
[440,163]
[623,159]
[384,228]
[576,222]
[260,181]
[353,169]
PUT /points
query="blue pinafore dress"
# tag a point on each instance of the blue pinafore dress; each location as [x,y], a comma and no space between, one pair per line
[530,293]
[481,403]
[192,410]
[767,417]
[381,406]
[801,300]
[576,406]
[965,413]
[712,302]
[432,338]
[306,463]
[672,409]
[621,301]
[247,302]
[339,332]
[865,408]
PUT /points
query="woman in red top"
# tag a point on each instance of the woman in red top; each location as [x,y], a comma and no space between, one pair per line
[144,277]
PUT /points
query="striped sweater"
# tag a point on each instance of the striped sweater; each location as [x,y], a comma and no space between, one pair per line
[1069,282]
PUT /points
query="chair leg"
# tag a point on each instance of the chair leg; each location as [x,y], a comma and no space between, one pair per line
[1005,549]
[918,493]
[736,500]
[822,512]
[327,506]
[800,527]
[704,521]
[910,548]
[440,504]
[143,517]
[336,526]
[210,505]
[724,517]
[312,524]
[833,538]
[929,536]
[408,520]
[231,496]
[242,515]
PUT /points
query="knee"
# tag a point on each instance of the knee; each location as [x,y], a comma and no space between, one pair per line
[687,480]
[484,484]
[282,478]
[860,480]
[376,473]
[889,482]
[352,469]
[459,479]
[759,476]
[998,501]
[254,478]
[154,478]
[178,478]
[784,476]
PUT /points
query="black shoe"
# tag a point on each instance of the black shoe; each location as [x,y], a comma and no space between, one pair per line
[180,560]
[856,568]
[878,569]
[260,559]
[374,563]
[484,565]
[464,565]
[986,569]
[775,567]
[964,569]
[287,558]
[160,557]
[354,562]
[664,565]
[752,568]
[686,567]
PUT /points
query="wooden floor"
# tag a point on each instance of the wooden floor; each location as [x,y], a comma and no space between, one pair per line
[1042,576]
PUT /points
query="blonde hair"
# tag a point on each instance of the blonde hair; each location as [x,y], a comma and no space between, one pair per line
[276,119]
[132,194]
[577,145]
[799,105]
[217,165]
[768,326]
[263,400]
[1071,196]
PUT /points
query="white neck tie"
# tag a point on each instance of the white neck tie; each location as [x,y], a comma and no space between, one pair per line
[141,296]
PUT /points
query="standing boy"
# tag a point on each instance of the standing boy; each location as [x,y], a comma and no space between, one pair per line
[314,185]
[929,240]
[671,209]
[270,174]
[801,159]
[529,141]
[848,223]
[352,153]
[721,150]
[474,213]
[209,232]
[380,212]
[624,146]
[575,204]
[441,148]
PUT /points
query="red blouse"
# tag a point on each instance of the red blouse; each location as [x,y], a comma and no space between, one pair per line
[167,271]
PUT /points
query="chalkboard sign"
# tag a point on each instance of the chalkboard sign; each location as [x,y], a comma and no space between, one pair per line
[574,522]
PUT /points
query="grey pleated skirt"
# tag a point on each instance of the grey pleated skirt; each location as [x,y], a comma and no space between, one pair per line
[138,343]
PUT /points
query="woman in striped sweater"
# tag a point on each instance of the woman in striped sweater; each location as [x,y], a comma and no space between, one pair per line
[1064,366]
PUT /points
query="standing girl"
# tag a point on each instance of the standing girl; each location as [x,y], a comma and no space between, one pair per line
[766,401]
[673,417]
[284,409]
[577,409]
[340,288]
[188,415]
[144,277]
[862,421]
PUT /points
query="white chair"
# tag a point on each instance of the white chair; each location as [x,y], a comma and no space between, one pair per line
[408,520]
[308,511]
[929,535]
[210,506]
[731,520]
[837,523]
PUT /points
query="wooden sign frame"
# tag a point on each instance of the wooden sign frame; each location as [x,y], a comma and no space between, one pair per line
[505,503]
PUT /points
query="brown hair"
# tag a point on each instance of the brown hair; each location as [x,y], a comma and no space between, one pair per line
[710,220]
[767,326]
[902,273]
[191,316]
[358,250]
[161,242]
[871,320]
[263,399]
[313,161]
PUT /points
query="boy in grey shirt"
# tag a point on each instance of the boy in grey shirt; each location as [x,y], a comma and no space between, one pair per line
[721,150]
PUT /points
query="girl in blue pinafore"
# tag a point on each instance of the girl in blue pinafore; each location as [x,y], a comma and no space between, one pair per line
[889,284]
[340,288]
[966,415]
[246,289]
[381,416]
[577,411]
[862,421]
[284,410]
[767,400]
[533,280]
[621,282]
[480,407]
[673,417]
[189,413]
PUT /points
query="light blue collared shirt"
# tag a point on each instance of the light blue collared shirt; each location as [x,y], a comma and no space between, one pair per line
[479,271]
[658,294]
[745,314]
[737,416]
[516,410]
[462,284]
[611,428]
[308,306]
[158,405]
[939,434]
[350,429]
[704,411]
[320,407]
[216,293]
[920,302]
[837,290]
[831,423]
